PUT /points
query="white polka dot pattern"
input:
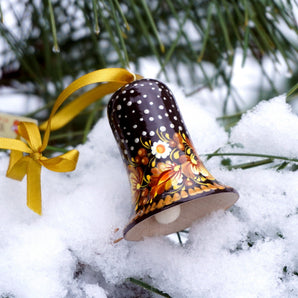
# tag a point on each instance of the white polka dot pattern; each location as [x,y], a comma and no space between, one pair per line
[139,111]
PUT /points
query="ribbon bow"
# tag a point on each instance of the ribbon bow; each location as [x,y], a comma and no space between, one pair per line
[30,163]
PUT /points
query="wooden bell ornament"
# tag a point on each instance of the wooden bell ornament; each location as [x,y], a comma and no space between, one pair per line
[170,186]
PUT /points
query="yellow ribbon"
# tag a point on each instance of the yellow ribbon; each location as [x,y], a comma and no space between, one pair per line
[114,78]
[30,164]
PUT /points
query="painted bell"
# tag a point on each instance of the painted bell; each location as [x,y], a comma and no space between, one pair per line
[170,186]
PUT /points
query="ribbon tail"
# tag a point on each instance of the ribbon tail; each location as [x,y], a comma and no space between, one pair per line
[34,187]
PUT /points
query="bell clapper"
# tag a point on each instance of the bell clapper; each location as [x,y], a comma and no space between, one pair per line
[169,215]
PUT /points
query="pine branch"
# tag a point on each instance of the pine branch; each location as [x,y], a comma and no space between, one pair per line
[195,35]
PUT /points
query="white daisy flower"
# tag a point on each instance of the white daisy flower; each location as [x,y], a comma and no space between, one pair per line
[161,149]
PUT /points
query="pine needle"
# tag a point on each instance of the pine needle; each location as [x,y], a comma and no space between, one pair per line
[206,33]
[291,93]
[148,287]
[120,33]
[152,24]
[56,48]
[251,154]
[118,7]
[222,22]
[1,14]
[96,24]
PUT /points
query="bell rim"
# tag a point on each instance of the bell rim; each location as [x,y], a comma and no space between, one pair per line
[136,221]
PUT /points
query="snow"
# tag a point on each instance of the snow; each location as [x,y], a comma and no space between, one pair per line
[248,251]
[269,128]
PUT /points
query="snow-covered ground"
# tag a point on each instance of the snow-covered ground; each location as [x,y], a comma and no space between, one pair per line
[248,251]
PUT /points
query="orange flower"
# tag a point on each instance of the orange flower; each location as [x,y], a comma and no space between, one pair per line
[165,176]
[177,141]
[193,167]
[136,179]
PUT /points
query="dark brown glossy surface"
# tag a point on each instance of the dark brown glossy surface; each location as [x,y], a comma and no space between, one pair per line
[163,167]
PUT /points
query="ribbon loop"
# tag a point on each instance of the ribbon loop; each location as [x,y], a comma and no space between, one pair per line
[63,163]
[30,132]
[115,77]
